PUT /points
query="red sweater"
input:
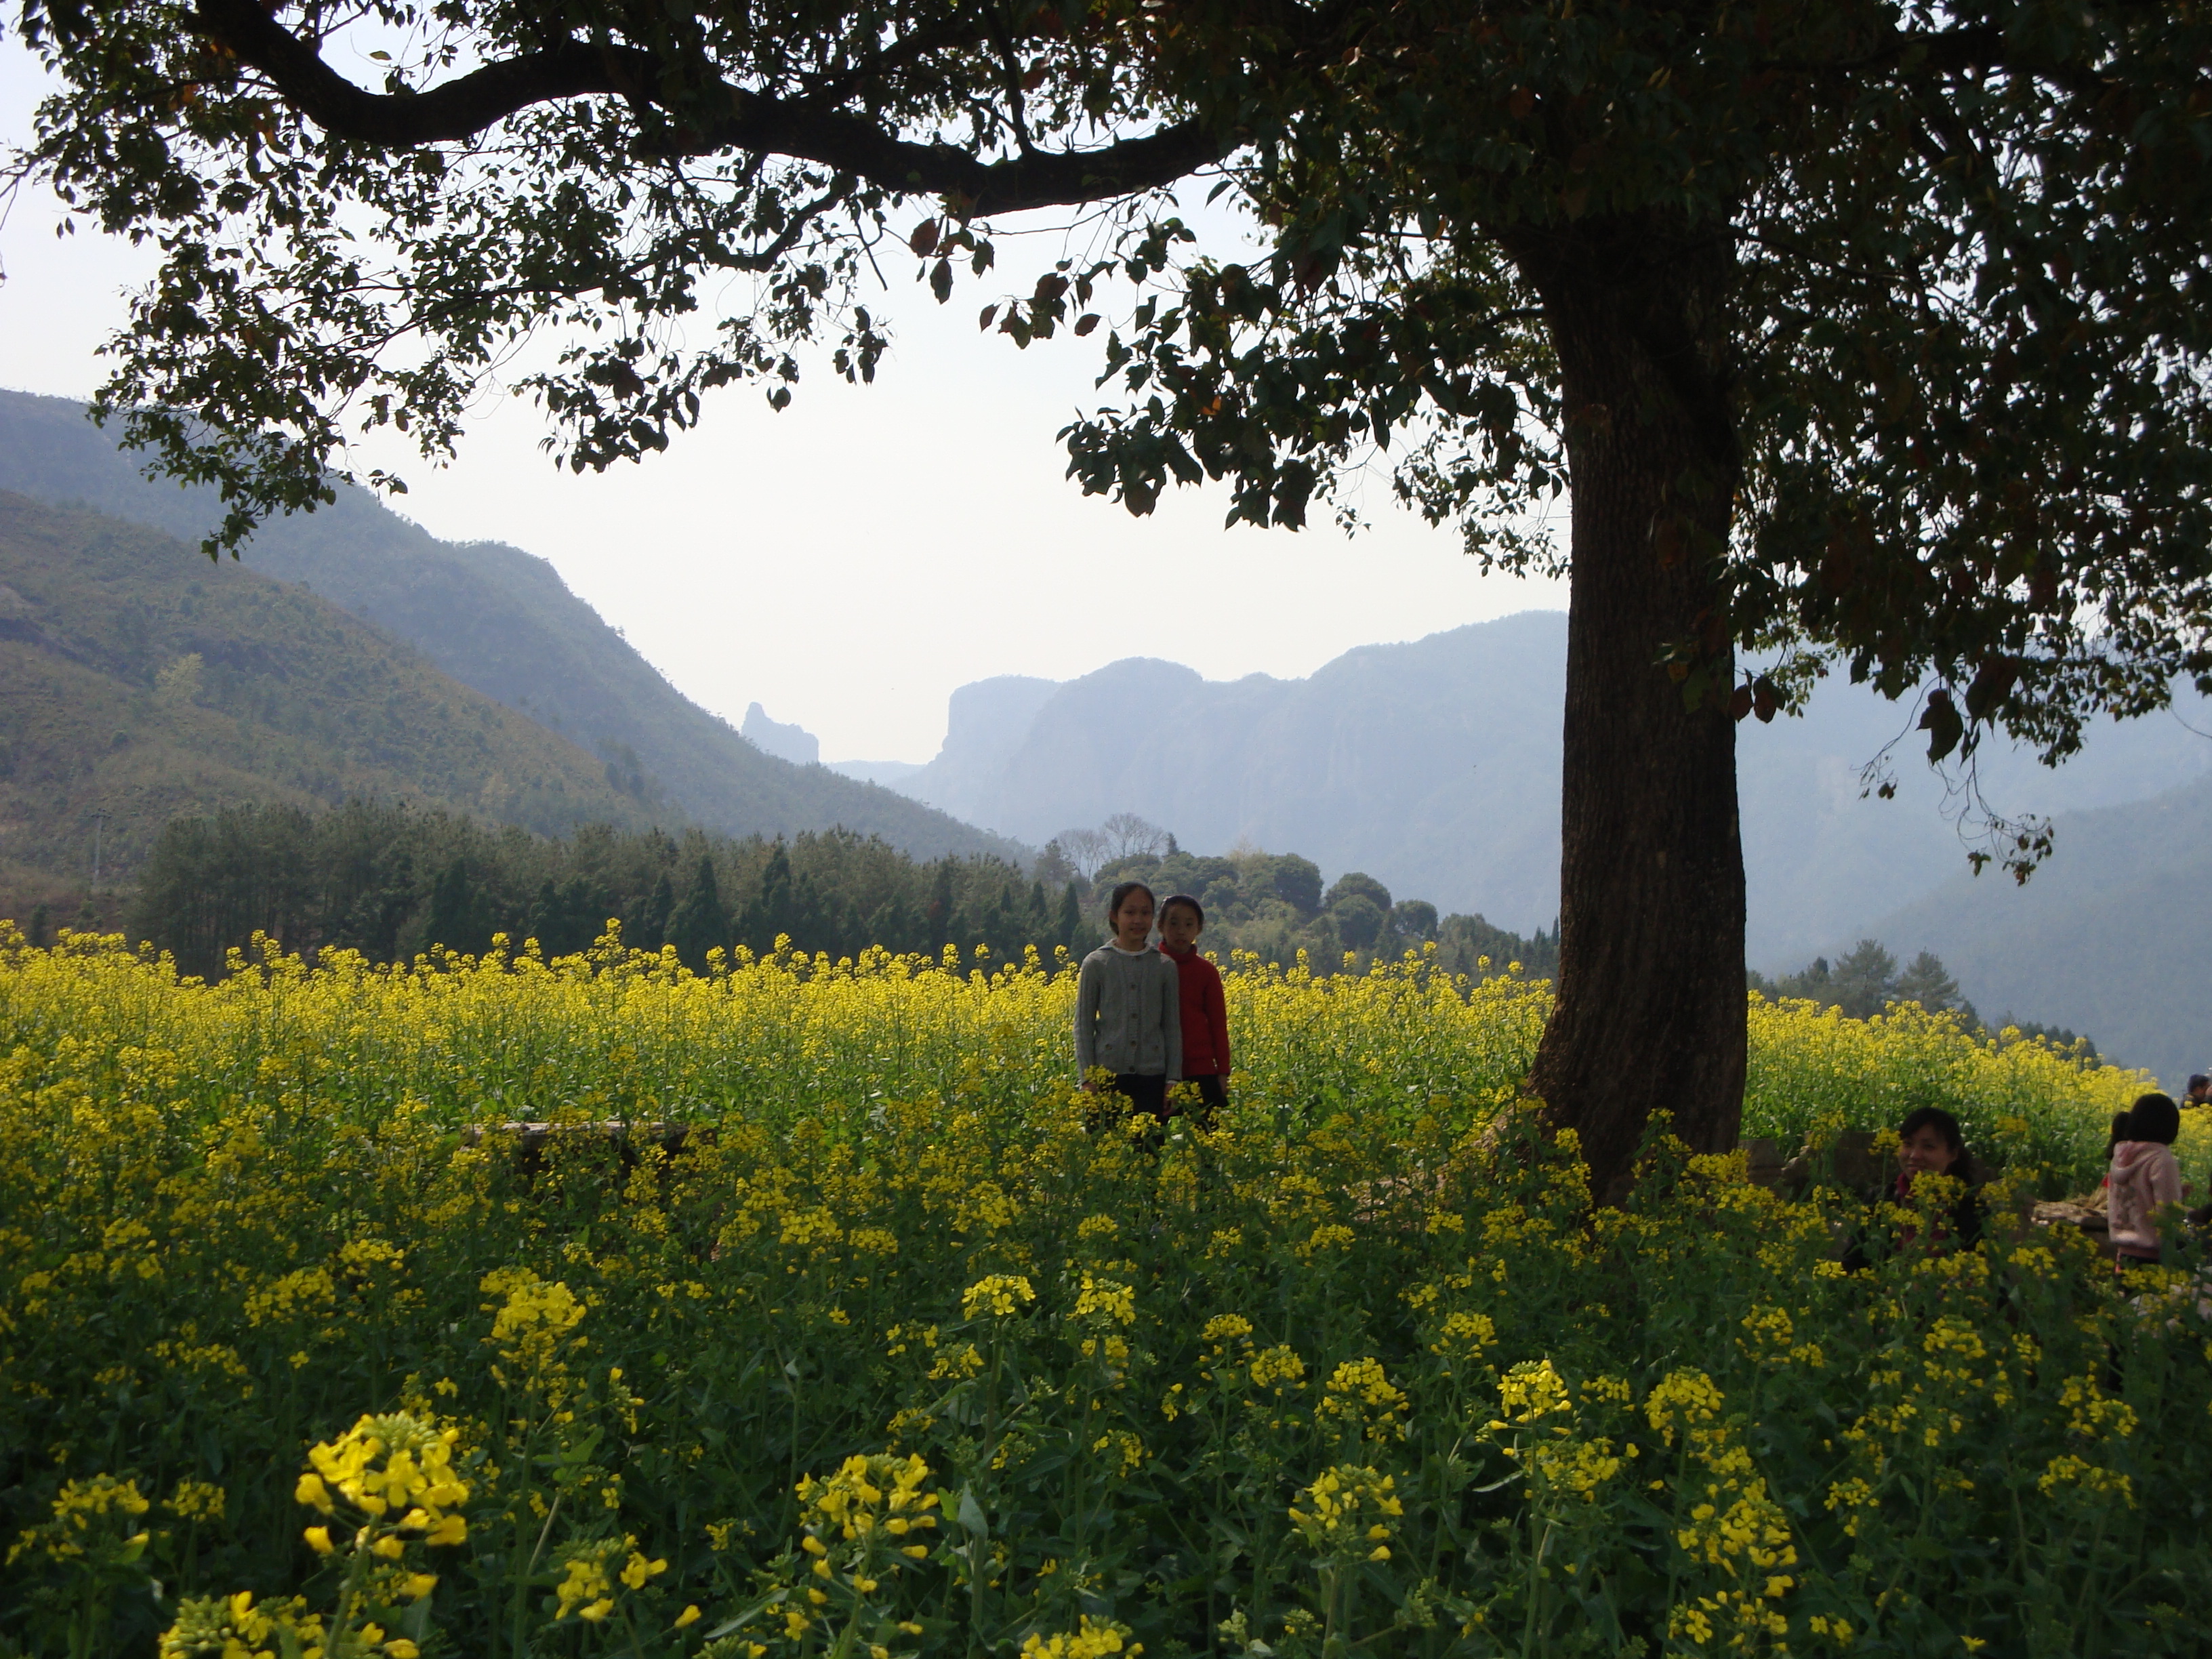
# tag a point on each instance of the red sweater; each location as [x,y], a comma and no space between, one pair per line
[1204,1015]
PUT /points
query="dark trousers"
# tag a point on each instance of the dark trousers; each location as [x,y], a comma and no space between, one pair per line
[1212,1096]
[1145,1092]
[1145,1095]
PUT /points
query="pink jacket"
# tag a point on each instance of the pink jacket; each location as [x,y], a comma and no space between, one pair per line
[2144,1176]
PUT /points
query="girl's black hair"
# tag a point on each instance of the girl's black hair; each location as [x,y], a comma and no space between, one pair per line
[1936,1118]
[2155,1117]
[1174,899]
[2121,1130]
[1121,891]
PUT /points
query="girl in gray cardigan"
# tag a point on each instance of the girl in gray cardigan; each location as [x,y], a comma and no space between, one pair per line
[1128,1017]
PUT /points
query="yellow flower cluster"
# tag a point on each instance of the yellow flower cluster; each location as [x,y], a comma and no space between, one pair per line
[589,1575]
[861,1527]
[534,1331]
[396,1471]
[197,1500]
[866,1492]
[1000,1295]
[83,1519]
[1092,1638]
[1277,1368]
[235,1627]
[1347,1514]
[1531,1391]
[1105,1302]
[1358,1394]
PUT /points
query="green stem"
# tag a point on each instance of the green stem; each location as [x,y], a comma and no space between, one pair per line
[349,1594]
[519,1604]
[543,1533]
[80,1625]
[982,1475]
[1536,1583]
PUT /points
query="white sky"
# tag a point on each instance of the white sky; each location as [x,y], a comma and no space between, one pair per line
[850,561]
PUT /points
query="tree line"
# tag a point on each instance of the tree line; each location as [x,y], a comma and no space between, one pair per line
[392,882]
[1866,979]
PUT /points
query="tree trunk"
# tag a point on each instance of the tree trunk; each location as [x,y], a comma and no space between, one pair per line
[1650,1013]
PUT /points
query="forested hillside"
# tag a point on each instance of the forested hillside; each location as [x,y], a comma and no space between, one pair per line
[503,622]
[1277,906]
[138,682]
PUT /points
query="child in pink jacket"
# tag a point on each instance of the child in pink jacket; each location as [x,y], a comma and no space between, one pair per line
[2144,1179]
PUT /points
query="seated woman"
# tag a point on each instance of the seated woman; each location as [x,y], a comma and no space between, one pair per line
[2144,1180]
[1929,1143]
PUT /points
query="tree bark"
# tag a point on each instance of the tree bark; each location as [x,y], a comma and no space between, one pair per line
[1650,1013]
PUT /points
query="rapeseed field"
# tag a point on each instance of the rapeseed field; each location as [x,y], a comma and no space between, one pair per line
[825,1321]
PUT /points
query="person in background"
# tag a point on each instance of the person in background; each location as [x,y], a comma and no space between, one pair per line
[2200,1090]
[1204,1012]
[1128,1008]
[2144,1179]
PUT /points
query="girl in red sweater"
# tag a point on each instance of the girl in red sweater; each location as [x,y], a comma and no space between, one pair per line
[1204,1014]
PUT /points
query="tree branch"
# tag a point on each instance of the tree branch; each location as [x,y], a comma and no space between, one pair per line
[460,109]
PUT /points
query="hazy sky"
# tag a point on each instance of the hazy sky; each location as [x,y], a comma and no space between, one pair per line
[851,560]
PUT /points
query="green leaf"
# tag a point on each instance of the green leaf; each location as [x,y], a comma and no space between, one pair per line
[972,1521]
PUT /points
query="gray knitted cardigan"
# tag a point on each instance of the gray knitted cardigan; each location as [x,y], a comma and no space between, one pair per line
[1128,1013]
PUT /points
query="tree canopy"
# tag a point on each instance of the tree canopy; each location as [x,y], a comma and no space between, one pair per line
[1866,333]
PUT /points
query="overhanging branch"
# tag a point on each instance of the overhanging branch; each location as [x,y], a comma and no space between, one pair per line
[460,109]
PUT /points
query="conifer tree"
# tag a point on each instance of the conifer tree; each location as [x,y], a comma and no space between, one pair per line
[772,912]
[700,923]
[1069,931]
[455,919]
[653,919]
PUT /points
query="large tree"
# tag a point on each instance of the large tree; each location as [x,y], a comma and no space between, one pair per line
[1861,334]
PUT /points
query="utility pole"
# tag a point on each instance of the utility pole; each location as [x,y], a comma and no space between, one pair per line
[99,823]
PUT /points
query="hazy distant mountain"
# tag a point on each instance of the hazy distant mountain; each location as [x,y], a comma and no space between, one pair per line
[2113,938]
[887,773]
[139,682]
[1821,860]
[792,742]
[1435,766]
[498,619]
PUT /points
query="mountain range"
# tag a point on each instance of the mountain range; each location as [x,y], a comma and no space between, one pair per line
[500,621]
[1434,766]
